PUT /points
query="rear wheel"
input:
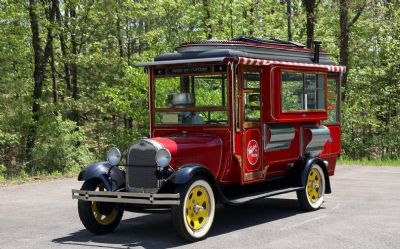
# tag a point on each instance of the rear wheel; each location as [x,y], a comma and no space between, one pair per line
[98,217]
[194,216]
[312,196]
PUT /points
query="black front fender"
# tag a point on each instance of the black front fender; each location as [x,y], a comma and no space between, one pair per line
[188,171]
[112,177]
[308,163]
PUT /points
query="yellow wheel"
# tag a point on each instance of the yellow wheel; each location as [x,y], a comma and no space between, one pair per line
[98,217]
[194,217]
[312,196]
[104,213]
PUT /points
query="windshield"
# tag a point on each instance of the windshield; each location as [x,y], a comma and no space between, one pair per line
[191,99]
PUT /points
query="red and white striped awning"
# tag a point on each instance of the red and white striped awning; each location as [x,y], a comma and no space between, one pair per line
[258,62]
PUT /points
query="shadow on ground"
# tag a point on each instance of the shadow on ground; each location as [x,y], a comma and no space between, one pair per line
[156,231]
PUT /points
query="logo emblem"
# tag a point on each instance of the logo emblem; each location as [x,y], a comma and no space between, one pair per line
[252,152]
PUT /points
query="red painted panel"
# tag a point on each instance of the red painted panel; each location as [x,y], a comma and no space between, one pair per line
[204,149]
[199,145]
[278,160]
[332,148]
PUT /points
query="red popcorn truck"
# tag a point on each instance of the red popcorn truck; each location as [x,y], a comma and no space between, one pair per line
[230,122]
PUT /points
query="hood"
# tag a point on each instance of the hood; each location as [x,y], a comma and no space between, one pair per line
[204,149]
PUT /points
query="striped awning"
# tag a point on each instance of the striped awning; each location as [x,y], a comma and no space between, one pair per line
[258,62]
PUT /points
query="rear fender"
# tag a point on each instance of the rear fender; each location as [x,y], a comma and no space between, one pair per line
[112,177]
[308,163]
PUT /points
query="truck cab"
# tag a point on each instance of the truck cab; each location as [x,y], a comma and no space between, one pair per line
[230,122]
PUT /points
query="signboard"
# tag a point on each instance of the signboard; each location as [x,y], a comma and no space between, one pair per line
[190,70]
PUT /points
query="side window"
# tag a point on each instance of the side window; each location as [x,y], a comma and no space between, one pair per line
[251,96]
[302,91]
[291,91]
[333,101]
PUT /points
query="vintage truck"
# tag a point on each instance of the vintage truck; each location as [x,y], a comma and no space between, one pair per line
[230,122]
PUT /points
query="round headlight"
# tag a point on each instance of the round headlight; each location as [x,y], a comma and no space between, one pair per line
[114,156]
[163,157]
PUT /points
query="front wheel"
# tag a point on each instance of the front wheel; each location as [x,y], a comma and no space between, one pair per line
[194,216]
[98,217]
[312,196]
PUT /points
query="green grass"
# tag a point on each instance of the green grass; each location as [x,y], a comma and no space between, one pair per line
[23,177]
[366,162]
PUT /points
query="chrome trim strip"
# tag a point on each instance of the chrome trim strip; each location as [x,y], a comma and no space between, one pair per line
[160,63]
[156,144]
[319,136]
[282,136]
[126,197]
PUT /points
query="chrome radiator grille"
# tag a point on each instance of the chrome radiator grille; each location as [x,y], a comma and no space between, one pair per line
[141,168]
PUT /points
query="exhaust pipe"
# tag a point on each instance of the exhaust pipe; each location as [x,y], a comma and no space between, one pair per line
[317,45]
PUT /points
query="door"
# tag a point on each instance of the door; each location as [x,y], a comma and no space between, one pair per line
[251,128]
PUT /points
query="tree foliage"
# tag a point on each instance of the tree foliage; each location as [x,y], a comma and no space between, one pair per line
[69,88]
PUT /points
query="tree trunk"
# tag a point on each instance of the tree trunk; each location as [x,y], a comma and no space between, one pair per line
[310,12]
[67,73]
[73,67]
[53,76]
[345,27]
[252,17]
[129,43]
[289,18]
[344,42]
[40,61]
[231,19]
[207,20]
[119,35]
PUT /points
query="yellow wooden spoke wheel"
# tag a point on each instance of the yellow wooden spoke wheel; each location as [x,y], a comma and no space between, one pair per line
[194,217]
[98,217]
[104,213]
[312,196]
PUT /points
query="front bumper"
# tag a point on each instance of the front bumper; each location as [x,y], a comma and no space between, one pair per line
[127,197]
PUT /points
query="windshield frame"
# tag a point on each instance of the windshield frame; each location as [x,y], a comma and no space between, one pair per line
[226,108]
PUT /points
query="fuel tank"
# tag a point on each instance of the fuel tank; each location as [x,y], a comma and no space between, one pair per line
[197,148]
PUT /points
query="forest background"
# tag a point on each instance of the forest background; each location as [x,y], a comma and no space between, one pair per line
[69,89]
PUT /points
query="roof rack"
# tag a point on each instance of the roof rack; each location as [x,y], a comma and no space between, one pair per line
[272,41]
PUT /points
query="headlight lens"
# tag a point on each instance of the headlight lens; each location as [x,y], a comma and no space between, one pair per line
[163,157]
[114,156]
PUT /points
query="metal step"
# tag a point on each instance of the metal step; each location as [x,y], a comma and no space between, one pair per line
[260,195]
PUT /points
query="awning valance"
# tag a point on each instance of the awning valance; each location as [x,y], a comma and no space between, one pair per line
[258,62]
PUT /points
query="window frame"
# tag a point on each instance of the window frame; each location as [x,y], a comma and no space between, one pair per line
[303,72]
[246,91]
[338,110]
[154,109]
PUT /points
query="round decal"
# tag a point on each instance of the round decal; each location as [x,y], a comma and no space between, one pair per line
[252,152]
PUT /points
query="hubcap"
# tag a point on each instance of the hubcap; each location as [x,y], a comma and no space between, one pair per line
[197,208]
[103,214]
[313,185]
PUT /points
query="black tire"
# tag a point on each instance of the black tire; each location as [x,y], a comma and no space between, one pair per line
[312,196]
[197,196]
[89,211]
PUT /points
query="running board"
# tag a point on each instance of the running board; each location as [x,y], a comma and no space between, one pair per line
[259,195]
